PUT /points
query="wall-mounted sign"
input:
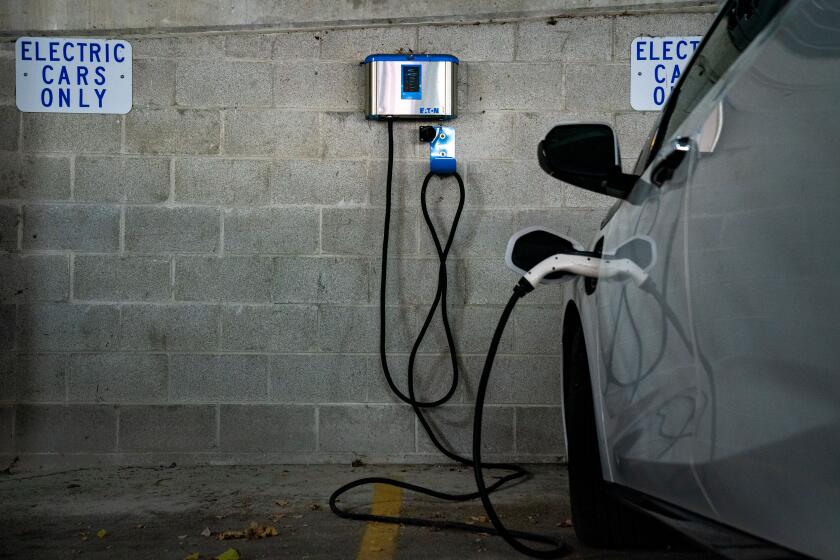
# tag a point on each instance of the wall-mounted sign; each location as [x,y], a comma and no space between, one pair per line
[656,63]
[82,75]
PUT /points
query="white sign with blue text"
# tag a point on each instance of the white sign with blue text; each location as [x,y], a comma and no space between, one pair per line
[83,75]
[656,63]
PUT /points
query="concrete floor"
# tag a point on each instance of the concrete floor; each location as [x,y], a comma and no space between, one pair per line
[160,513]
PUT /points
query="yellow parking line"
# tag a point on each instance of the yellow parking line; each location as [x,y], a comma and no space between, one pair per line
[380,539]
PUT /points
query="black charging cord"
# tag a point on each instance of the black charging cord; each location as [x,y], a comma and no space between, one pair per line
[484,491]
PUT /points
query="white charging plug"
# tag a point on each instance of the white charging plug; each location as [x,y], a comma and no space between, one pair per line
[590,267]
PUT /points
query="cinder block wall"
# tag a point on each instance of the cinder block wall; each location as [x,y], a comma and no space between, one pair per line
[198,280]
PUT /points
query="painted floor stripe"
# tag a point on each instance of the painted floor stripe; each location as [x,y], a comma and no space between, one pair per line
[380,539]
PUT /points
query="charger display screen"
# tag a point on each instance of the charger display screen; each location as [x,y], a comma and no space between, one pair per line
[411,81]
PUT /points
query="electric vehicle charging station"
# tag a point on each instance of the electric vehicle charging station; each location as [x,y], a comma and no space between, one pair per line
[423,87]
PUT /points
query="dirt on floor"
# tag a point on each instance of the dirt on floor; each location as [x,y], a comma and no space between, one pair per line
[181,512]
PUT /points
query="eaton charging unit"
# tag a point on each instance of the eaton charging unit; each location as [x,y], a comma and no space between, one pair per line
[411,86]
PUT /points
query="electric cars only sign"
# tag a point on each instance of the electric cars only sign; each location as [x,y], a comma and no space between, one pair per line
[656,64]
[82,75]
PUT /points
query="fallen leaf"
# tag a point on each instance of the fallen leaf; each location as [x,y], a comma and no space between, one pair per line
[193,556]
[315,507]
[102,533]
[229,554]
[206,532]
[182,537]
[565,523]
[229,535]
[254,531]
[282,503]
[477,519]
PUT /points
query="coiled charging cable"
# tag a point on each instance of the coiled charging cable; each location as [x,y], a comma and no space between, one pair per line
[515,471]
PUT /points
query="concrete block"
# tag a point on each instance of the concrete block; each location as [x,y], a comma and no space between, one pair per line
[347,429]
[480,233]
[453,425]
[412,281]
[172,131]
[407,179]
[520,380]
[580,198]
[8,327]
[597,87]
[115,278]
[304,45]
[355,44]
[629,27]
[565,39]
[248,45]
[200,46]
[319,378]
[9,219]
[472,327]
[530,128]
[538,330]
[271,230]
[319,182]
[356,329]
[228,182]
[240,279]
[539,430]
[33,377]
[218,378]
[161,230]
[483,136]
[271,132]
[58,132]
[267,429]
[7,81]
[9,128]
[221,83]
[520,184]
[77,227]
[37,177]
[117,179]
[34,278]
[633,130]
[432,377]
[350,231]
[581,224]
[7,424]
[153,81]
[118,378]
[264,328]
[61,326]
[320,280]
[349,135]
[340,86]
[512,86]
[169,327]
[10,174]
[178,428]
[469,42]
[58,428]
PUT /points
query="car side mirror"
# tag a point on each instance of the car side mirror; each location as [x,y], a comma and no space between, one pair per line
[586,156]
[531,246]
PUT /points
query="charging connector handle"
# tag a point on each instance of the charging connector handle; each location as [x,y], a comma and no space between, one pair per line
[582,265]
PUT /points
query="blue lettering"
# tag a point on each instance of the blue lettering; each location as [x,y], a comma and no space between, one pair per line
[94,52]
[24,50]
[676,75]
[659,95]
[100,95]
[44,73]
[680,54]
[116,48]
[67,56]
[38,56]
[54,51]
[100,73]
[639,49]
[64,97]
[82,98]
[659,79]
[653,52]
[63,76]
[82,51]
[81,75]
[694,43]
[46,96]
[666,50]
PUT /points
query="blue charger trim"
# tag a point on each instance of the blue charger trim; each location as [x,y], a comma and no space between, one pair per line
[409,57]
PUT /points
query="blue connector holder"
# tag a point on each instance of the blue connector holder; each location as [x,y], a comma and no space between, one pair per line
[442,151]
